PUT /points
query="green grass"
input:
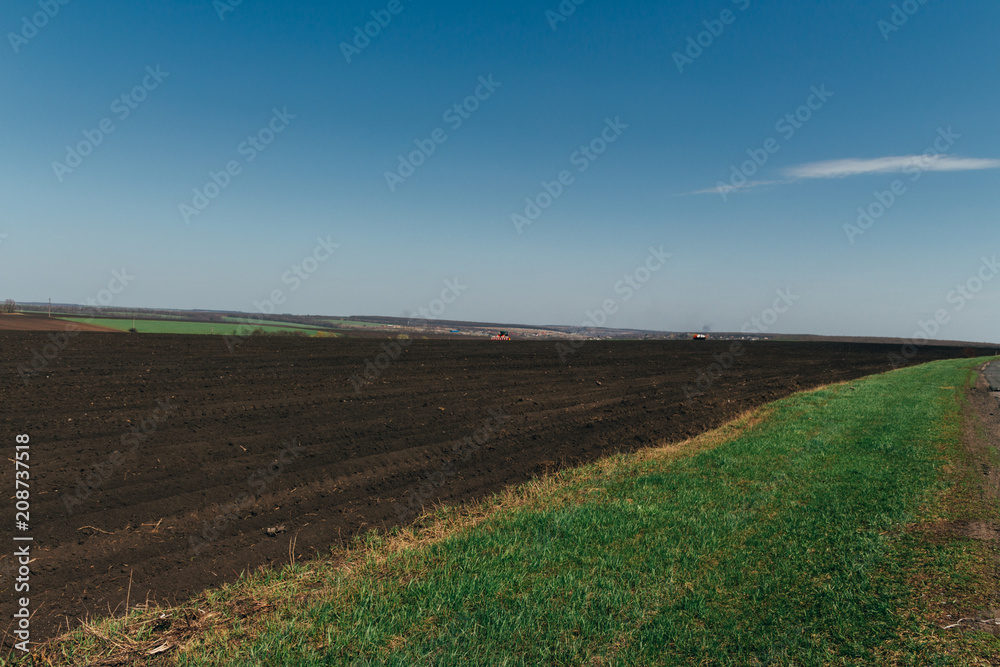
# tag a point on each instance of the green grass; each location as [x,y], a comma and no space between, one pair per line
[354,323]
[779,541]
[289,325]
[174,327]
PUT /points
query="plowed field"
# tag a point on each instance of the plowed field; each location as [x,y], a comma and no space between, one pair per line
[166,459]
[31,323]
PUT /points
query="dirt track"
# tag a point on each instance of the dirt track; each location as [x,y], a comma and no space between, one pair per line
[162,457]
[30,323]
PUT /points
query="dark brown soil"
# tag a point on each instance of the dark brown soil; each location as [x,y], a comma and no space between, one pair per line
[30,323]
[164,460]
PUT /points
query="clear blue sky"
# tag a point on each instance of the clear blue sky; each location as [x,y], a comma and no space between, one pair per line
[666,180]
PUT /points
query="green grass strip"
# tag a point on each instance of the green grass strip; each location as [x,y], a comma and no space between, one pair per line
[199,328]
[251,320]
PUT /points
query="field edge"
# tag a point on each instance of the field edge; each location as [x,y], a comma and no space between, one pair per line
[241,607]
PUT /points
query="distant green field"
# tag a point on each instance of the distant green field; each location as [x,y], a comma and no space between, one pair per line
[353,323]
[116,323]
[171,327]
[290,325]
[331,322]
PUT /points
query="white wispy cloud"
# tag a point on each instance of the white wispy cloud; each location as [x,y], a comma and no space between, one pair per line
[726,188]
[889,165]
[898,164]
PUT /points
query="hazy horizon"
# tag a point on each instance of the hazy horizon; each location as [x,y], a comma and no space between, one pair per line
[757,326]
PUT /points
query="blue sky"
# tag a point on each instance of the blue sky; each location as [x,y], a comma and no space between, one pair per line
[884,81]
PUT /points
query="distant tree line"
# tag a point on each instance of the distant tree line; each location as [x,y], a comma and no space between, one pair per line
[123,312]
[8,306]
